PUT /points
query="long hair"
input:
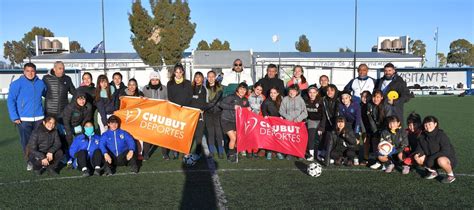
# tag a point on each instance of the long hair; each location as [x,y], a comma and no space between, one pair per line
[136,84]
[216,83]
[381,114]
[303,79]
[194,80]
[176,67]
[278,99]
[98,88]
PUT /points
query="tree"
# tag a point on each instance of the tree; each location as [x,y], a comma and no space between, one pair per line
[441,60]
[345,49]
[216,44]
[302,45]
[163,36]
[17,51]
[461,53]
[203,45]
[418,48]
[75,47]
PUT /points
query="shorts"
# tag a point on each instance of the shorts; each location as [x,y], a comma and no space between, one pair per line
[228,126]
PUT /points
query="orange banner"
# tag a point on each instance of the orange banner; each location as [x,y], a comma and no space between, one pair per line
[159,122]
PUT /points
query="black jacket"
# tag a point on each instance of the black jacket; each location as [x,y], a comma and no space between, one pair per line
[180,93]
[228,106]
[399,139]
[105,106]
[43,141]
[75,115]
[57,93]
[435,144]
[268,83]
[400,86]
[314,108]
[330,113]
[269,108]
[199,97]
[344,140]
[376,117]
[117,92]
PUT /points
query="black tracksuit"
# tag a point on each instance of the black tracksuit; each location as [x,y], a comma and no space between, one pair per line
[435,144]
[228,111]
[269,108]
[43,141]
[400,86]
[181,94]
[199,101]
[313,122]
[117,92]
[105,106]
[268,83]
[212,119]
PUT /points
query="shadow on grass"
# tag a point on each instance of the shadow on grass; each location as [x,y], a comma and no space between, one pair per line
[303,167]
[8,141]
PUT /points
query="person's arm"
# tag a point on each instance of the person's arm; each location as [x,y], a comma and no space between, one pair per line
[348,87]
[214,102]
[130,142]
[358,119]
[164,92]
[445,147]
[57,143]
[350,137]
[188,95]
[67,121]
[283,109]
[71,88]
[101,109]
[12,105]
[227,103]
[403,93]
[304,113]
[281,88]
[103,144]
[88,116]
[264,108]
[74,146]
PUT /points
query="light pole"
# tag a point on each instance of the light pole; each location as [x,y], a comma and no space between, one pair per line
[436,39]
[355,40]
[103,39]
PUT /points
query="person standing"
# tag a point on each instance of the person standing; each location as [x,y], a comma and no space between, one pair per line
[360,84]
[271,80]
[392,82]
[237,75]
[25,105]
[58,86]
[212,115]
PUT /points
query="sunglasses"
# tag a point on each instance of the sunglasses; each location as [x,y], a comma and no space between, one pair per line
[237,64]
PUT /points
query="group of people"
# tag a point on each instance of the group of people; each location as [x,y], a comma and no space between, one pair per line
[344,127]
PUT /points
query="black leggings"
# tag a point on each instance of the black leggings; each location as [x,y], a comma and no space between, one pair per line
[313,139]
[214,129]
[338,153]
[82,159]
[121,160]
[57,156]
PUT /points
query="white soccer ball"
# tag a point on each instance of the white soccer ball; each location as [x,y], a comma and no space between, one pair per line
[315,169]
[385,148]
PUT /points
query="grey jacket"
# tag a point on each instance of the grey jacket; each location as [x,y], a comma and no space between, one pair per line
[293,109]
[160,93]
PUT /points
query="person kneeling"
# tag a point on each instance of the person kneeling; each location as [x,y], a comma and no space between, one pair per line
[434,151]
[395,136]
[344,142]
[44,147]
[118,147]
[86,151]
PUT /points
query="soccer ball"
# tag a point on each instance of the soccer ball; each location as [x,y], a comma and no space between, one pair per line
[188,160]
[315,169]
[385,148]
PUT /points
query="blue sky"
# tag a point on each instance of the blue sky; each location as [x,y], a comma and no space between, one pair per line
[250,24]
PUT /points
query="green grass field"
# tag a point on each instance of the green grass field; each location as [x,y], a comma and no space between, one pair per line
[250,183]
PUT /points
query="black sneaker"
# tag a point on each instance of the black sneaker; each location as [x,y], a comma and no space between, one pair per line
[86,173]
[134,170]
[233,158]
[146,157]
[349,163]
[166,157]
[221,156]
[108,171]
[338,162]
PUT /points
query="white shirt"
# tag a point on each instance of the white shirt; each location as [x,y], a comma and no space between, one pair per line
[232,77]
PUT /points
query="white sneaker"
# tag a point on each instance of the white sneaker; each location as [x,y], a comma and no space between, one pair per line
[29,166]
[331,161]
[320,158]
[310,158]
[356,161]
[375,166]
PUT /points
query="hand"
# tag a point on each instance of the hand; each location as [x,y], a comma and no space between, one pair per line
[107,158]
[45,162]
[129,154]
[266,117]
[49,156]
[390,101]
[249,108]
[145,98]
[357,141]
[320,133]
[236,106]
[17,122]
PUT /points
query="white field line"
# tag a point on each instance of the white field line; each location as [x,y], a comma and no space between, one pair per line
[200,171]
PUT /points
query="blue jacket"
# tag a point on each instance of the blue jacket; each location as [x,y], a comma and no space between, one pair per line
[352,115]
[83,142]
[25,99]
[117,142]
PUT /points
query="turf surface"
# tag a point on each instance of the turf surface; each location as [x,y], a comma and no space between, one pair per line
[250,183]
